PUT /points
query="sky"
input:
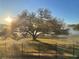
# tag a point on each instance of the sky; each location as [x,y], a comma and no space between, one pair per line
[64,9]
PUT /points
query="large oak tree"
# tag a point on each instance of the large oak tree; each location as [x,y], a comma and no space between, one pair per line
[38,23]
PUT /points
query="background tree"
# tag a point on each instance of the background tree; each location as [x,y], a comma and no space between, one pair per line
[76,27]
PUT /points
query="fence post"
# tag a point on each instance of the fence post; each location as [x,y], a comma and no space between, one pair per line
[39,51]
[73,49]
[5,49]
[56,51]
[22,50]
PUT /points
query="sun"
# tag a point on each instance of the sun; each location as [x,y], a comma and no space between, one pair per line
[9,19]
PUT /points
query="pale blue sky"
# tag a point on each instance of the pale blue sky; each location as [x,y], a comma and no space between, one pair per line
[64,9]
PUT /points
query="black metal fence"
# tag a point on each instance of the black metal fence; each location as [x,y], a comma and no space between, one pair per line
[41,51]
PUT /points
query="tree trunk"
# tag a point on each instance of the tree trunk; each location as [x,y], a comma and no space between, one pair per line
[34,37]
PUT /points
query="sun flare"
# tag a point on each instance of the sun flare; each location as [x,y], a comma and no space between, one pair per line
[9,19]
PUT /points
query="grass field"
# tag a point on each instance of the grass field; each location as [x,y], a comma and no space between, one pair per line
[46,48]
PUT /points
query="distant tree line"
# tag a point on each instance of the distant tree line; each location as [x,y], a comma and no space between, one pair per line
[75,26]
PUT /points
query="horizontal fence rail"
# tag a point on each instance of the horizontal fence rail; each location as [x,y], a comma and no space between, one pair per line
[56,51]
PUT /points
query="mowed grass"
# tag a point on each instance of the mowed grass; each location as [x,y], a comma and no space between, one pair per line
[44,47]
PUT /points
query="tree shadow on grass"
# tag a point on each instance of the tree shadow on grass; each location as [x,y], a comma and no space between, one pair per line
[43,47]
[52,49]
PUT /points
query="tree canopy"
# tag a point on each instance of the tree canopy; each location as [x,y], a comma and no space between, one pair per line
[40,22]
